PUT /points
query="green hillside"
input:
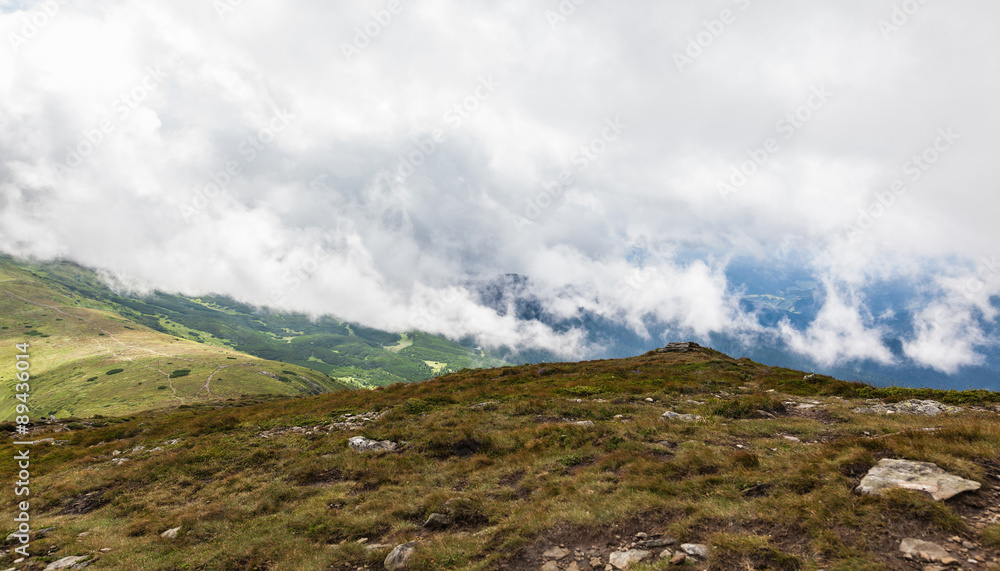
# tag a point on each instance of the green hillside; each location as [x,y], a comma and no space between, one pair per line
[353,354]
[563,466]
[87,359]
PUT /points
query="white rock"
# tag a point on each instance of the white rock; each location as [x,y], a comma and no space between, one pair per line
[695,550]
[362,444]
[65,562]
[171,533]
[622,559]
[399,558]
[924,476]
[914,547]
[671,415]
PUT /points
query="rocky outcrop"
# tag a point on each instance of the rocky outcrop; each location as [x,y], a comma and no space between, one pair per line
[906,474]
[679,347]
[912,406]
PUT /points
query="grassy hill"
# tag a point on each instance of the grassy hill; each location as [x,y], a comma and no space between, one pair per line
[88,359]
[352,354]
[522,460]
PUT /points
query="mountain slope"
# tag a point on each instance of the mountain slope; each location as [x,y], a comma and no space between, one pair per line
[523,462]
[87,359]
[353,354]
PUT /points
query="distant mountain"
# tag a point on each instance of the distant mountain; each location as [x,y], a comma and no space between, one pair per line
[774,294]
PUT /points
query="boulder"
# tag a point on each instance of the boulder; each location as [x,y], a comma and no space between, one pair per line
[399,558]
[906,474]
[362,444]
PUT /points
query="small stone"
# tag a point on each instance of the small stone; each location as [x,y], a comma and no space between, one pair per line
[105,549]
[641,535]
[948,560]
[171,533]
[437,521]
[666,554]
[596,562]
[649,399]
[623,559]
[550,566]
[573,567]
[679,558]
[792,439]
[555,553]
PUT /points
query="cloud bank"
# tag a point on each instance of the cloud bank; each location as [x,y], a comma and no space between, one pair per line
[371,160]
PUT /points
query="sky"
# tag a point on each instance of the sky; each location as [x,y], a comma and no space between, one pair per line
[377,160]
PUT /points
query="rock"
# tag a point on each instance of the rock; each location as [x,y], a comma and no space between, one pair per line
[437,521]
[792,439]
[649,399]
[919,549]
[65,562]
[695,550]
[657,542]
[362,444]
[584,423]
[679,347]
[573,567]
[555,553]
[679,558]
[671,415]
[622,559]
[596,562]
[550,566]
[910,475]
[171,533]
[399,557]
[912,406]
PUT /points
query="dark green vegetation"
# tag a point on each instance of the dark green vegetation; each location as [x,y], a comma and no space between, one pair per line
[351,353]
[271,483]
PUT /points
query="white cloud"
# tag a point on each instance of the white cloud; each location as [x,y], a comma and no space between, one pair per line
[325,188]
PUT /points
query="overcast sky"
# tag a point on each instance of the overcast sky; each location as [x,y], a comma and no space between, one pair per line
[371,159]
